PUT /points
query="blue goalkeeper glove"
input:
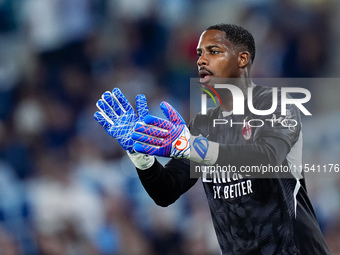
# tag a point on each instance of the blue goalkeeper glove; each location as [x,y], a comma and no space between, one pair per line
[118,118]
[171,138]
[166,138]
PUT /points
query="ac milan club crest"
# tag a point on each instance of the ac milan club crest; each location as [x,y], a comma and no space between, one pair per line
[246,131]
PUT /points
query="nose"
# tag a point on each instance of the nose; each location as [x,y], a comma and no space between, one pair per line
[202,60]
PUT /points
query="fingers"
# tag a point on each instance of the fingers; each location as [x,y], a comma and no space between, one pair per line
[171,113]
[119,97]
[149,134]
[146,149]
[148,140]
[102,119]
[106,111]
[157,122]
[142,107]
[113,104]
[151,131]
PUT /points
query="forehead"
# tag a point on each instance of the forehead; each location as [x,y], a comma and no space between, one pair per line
[213,37]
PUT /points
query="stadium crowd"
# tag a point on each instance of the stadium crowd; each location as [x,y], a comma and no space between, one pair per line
[66,187]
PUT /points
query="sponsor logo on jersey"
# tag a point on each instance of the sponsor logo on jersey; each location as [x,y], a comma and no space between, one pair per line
[246,131]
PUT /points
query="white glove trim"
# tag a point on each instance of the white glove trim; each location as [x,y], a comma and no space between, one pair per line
[141,161]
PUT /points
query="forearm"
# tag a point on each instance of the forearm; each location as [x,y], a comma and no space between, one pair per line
[165,184]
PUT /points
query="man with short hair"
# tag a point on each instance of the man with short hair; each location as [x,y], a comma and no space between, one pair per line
[251,215]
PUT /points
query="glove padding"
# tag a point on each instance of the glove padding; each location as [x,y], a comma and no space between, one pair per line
[118,118]
[166,138]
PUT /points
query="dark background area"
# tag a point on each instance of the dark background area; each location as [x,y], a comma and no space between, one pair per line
[66,187]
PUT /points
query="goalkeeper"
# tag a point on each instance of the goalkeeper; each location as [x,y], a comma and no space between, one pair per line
[250,215]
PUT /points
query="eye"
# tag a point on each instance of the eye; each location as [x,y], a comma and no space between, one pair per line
[213,52]
[199,54]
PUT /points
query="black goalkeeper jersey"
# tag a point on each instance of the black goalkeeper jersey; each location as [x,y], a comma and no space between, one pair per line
[252,214]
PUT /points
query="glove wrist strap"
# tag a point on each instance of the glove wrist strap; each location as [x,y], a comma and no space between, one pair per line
[203,151]
[141,161]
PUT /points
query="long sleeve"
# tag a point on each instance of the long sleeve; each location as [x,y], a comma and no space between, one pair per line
[165,184]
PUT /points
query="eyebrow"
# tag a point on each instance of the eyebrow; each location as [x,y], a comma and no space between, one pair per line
[210,47]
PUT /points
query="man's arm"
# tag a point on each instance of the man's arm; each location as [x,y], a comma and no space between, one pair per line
[117,116]
[160,137]
[166,184]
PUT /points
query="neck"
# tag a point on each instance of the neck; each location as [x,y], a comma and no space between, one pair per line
[227,97]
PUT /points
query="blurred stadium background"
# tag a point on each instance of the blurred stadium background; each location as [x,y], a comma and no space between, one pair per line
[66,187]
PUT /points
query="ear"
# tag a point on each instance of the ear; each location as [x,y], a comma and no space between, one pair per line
[243,59]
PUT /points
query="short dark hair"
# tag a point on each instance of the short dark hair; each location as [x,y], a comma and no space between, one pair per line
[238,36]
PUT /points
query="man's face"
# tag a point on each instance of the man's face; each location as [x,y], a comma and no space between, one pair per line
[217,58]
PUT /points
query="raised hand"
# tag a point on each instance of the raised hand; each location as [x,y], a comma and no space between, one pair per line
[118,118]
[167,138]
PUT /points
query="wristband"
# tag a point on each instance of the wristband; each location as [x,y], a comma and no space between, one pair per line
[141,161]
[203,151]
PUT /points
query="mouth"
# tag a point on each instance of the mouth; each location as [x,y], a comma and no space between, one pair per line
[204,75]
